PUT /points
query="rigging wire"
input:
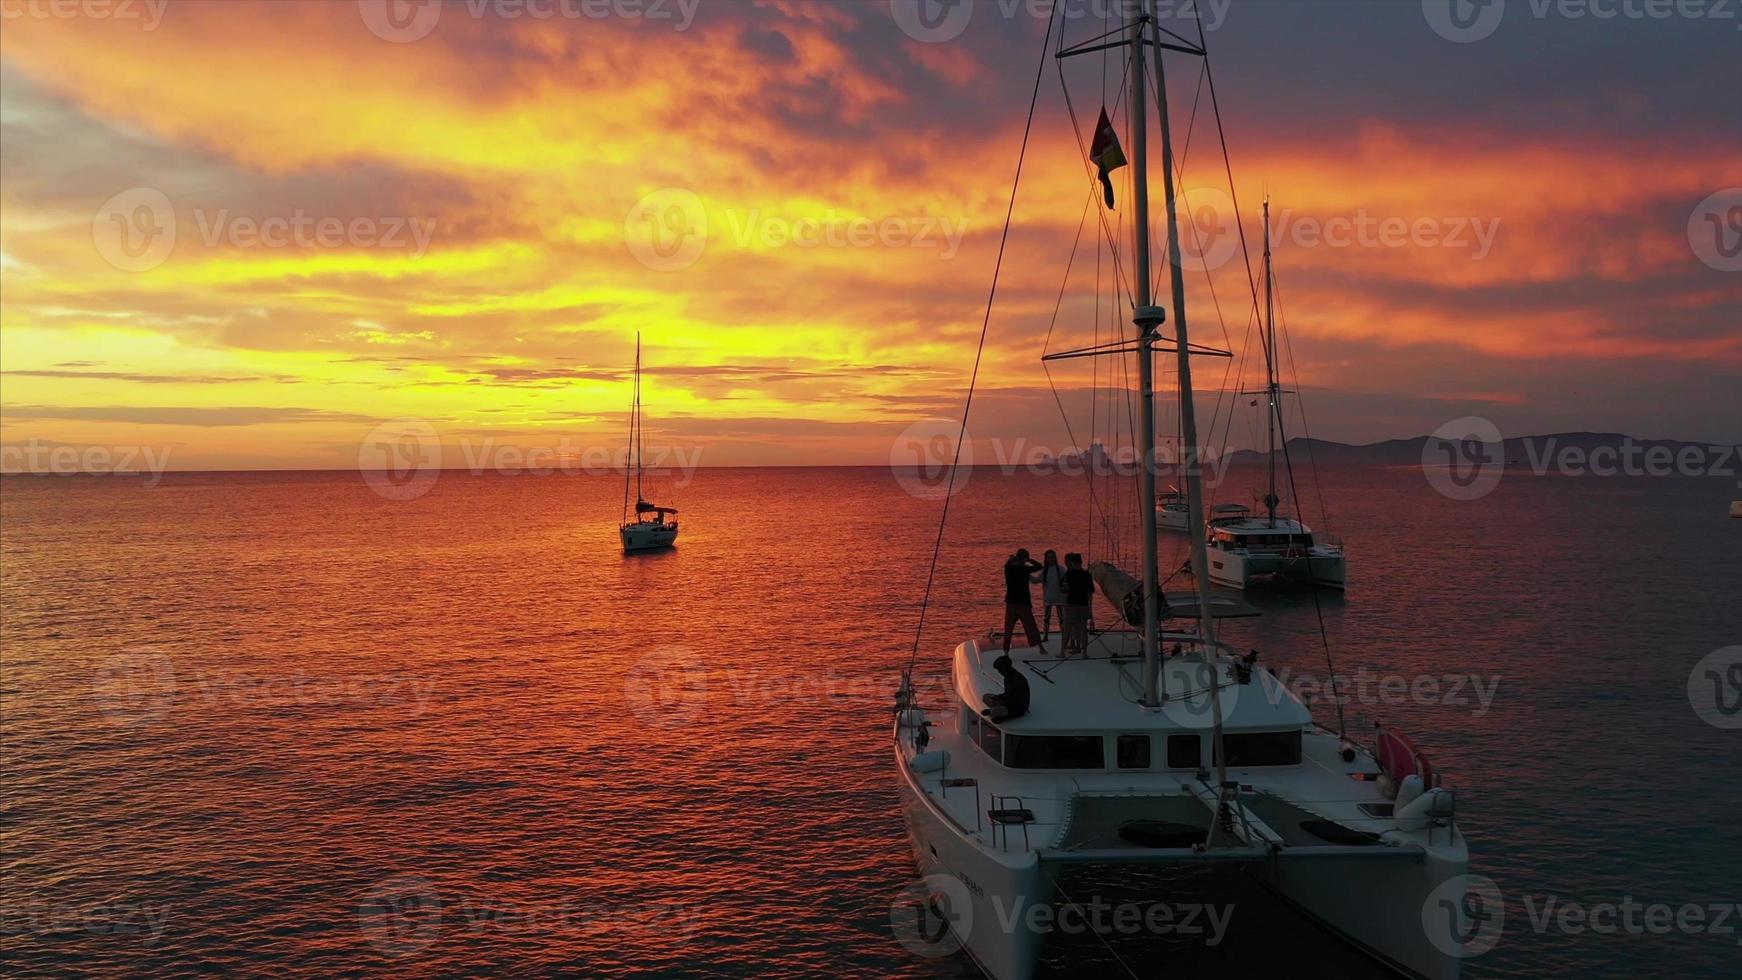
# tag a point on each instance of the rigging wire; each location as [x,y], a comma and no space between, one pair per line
[979,352]
[1222,134]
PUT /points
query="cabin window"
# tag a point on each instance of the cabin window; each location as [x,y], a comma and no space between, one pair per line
[1133,751]
[1056,752]
[1263,748]
[1184,752]
[991,741]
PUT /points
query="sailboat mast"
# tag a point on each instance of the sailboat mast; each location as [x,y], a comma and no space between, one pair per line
[1189,429]
[1147,319]
[1270,386]
[640,460]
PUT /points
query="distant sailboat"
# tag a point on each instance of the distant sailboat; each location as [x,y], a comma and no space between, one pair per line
[1244,547]
[650,529]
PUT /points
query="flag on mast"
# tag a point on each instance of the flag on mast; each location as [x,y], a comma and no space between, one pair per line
[1105,154]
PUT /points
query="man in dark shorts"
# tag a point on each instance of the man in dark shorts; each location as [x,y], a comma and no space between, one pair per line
[1019,572]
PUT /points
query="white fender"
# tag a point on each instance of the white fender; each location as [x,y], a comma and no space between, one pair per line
[1408,790]
[1421,812]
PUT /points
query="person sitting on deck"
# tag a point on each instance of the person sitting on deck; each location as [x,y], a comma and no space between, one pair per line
[1079,589]
[1013,703]
[1018,601]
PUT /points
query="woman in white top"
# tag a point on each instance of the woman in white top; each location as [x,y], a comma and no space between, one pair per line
[1052,580]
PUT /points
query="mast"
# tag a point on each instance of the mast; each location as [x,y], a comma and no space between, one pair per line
[1270,391]
[1189,429]
[640,459]
[634,415]
[1147,318]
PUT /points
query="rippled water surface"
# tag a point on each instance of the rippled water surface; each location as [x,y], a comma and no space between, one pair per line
[275,723]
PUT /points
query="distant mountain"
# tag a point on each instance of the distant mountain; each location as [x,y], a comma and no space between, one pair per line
[1523,450]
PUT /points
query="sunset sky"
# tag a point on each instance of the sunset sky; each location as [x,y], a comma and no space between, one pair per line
[467,190]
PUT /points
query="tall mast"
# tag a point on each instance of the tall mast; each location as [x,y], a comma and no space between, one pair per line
[1147,319]
[1189,429]
[640,459]
[1270,391]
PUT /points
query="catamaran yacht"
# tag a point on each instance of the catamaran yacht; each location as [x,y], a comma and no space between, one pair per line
[1162,747]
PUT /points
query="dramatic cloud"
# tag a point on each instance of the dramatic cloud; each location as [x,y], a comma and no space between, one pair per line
[265,227]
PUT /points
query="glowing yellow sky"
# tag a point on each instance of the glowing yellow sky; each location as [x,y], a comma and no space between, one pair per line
[528,149]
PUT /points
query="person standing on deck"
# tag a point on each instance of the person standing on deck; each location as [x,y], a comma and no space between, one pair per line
[1079,590]
[1052,593]
[1018,602]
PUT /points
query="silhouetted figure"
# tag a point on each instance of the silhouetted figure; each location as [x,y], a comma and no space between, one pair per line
[1018,603]
[1079,590]
[1013,703]
[1052,592]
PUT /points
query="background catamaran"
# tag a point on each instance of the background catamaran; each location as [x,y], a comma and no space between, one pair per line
[1164,749]
[650,529]
[1244,547]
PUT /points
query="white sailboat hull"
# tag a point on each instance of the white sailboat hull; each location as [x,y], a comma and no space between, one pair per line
[648,537]
[1374,905]
[994,887]
[1235,569]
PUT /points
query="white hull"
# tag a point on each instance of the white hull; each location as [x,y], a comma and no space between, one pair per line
[1237,570]
[1380,897]
[647,537]
[1172,520]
